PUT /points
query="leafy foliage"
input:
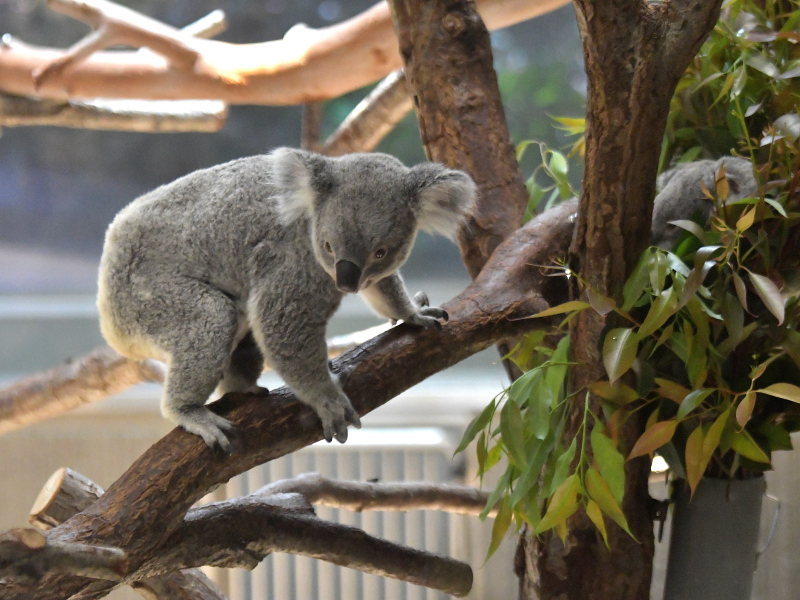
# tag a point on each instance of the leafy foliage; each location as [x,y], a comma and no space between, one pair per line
[705,338]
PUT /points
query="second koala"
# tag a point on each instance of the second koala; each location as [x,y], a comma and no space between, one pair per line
[248,260]
[681,195]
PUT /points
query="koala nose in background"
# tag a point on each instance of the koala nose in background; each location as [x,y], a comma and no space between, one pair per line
[348,276]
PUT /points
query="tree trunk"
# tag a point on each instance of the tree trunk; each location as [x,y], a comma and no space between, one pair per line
[635,53]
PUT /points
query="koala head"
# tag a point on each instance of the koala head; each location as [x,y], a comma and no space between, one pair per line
[681,196]
[364,210]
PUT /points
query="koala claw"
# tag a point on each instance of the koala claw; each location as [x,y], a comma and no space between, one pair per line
[428,317]
[421,298]
[335,417]
[209,426]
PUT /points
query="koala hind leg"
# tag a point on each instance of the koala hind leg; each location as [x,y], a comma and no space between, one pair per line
[200,325]
[244,369]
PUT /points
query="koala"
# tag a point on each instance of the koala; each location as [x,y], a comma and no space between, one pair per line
[681,196]
[246,261]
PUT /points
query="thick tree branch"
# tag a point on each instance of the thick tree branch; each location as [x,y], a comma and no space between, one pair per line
[359,496]
[180,468]
[306,65]
[26,555]
[461,118]
[635,54]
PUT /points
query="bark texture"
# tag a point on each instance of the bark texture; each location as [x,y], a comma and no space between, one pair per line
[145,506]
[635,53]
[448,58]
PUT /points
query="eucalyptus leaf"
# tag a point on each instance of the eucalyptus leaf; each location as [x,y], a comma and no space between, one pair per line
[693,400]
[770,295]
[653,438]
[610,462]
[619,351]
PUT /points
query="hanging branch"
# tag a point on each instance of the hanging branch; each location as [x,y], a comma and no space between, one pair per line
[306,65]
[400,495]
[180,469]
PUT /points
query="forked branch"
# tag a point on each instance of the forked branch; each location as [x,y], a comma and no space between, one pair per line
[306,65]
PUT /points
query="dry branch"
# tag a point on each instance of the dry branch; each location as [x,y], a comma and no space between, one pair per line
[180,469]
[26,555]
[116,25]
[242,531]
[359,496]
[306,65]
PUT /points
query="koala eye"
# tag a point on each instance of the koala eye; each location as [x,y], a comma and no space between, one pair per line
[380,253]
[328,248]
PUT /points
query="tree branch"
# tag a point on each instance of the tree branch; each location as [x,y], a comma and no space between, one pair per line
[116,25]
[180,469]
[374,117]
[242,531]
[306,65]
[100,374]
[148,116]
[26,555]
[359,496]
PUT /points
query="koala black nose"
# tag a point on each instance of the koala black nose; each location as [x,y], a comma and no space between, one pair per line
[348,276]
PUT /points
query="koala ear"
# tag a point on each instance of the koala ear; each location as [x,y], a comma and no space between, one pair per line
[444,198]
[299,177]
[739,173]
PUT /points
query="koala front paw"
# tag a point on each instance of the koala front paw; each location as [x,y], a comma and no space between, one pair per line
[336,415]
[428,317]
[199,420]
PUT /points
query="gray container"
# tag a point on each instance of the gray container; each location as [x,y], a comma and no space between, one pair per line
[712,551]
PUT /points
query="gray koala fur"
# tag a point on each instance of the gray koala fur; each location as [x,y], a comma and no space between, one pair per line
[248,260]
[681,196]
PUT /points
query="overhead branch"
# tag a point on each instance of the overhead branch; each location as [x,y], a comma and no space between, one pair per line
[396,495]
[306,65]
[116,25]
[26,555]
[509,288]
